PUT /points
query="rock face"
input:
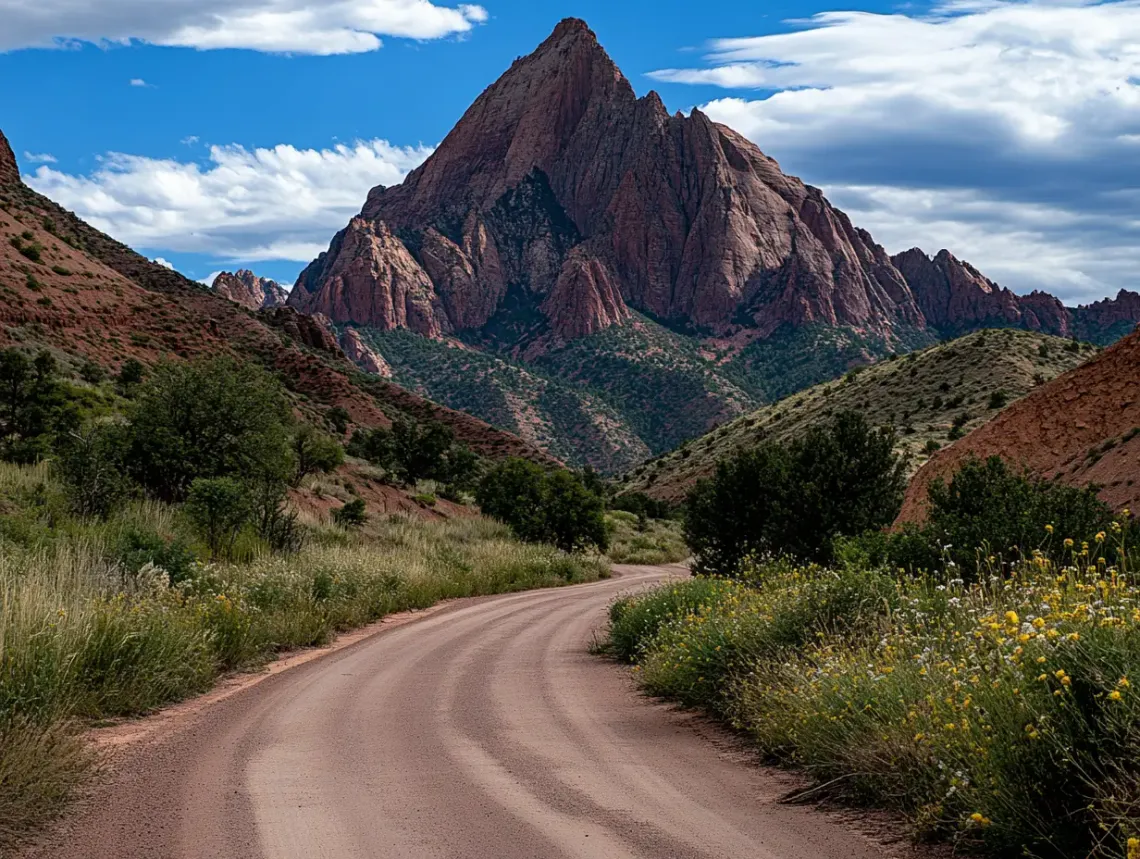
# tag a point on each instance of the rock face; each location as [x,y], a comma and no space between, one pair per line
[955,298]
[9,172]
[562,193]
[247,289]
[363,355]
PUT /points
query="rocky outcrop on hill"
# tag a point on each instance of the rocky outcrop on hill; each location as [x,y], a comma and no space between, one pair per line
[955,298]
[363,355]
[562,188]
[9,171]
[247,289]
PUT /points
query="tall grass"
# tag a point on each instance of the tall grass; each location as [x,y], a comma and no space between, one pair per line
[84,637]
[1000,715]
[651,541]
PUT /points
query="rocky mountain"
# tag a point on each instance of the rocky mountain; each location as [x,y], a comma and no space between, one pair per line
[1081,428]
[955,297]
[250,291]
[9,172]
[69,288]
[567,225]
[931,397]
[562,192]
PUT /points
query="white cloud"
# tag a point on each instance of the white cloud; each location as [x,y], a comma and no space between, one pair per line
[209,279]
[164,263]
[266,204]
[40,158]
[139,82]
[189,140]
[1007,131]
[283,26]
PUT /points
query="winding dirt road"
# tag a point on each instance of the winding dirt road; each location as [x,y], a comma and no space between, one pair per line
[483,730]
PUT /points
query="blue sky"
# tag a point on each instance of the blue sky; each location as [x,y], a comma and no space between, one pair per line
[226,133]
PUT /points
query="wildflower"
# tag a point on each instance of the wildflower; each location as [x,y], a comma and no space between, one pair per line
[1100,536]
[1134,848]
[1048,529]
[1124,684]
[1011,618]
[1114,695]
[1068,542]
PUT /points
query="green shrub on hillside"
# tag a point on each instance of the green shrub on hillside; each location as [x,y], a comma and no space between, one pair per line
[839,479]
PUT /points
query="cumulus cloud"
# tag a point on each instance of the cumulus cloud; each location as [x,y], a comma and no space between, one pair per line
[164,263]
[209,279]
[40,157]
[1007,131]
[283,26]
[139,82]
[245,205]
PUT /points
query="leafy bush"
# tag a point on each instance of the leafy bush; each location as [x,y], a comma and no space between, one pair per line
[130,376]
[840,479]
[351,515]
[544,507]
[219,507]
[207,419]
[1000,715]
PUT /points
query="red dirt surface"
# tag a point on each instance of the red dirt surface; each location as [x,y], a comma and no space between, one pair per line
[1077,428]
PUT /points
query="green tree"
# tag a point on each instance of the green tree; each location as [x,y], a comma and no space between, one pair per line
[339,419]
[419,450]
[219,507]
[91,466]
[314,452]
[846,480]
[740,511]
[131,375]
[205,419]
[573,517]
[34,408]
[541,507]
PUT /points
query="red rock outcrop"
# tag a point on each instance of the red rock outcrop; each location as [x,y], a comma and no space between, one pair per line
[363,355]
[1078,428]
[955,297]
[247,289]
[561,184]
[9,171]
[369,277]
[1116,316]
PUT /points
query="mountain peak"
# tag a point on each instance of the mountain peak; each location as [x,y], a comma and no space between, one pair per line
[571,27]
[9,172]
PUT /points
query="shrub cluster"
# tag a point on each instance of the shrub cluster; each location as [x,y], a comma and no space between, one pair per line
[840,479]
[558,507]
[412,452]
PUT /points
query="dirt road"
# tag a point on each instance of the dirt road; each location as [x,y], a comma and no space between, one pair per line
[484,730]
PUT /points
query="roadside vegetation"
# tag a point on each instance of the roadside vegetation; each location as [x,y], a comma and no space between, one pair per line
[149,543]
[974,673]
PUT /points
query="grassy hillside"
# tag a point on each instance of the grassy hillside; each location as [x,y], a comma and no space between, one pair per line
[931,396]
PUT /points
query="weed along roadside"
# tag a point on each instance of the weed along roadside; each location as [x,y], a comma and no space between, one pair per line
[162,529]
[985,693]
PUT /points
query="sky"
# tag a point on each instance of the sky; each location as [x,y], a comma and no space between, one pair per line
[218,134]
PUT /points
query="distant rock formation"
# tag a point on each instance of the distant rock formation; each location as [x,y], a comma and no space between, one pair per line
[363,355]
[9,171]
[247,289]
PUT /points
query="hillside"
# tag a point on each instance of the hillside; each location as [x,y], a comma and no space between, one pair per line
[69,288]
[925,395]
[1081,428]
